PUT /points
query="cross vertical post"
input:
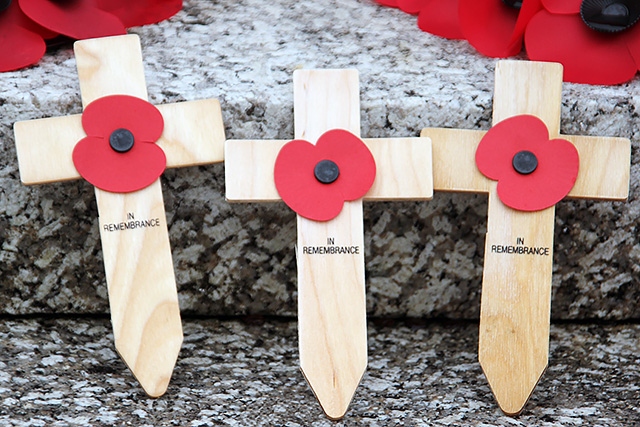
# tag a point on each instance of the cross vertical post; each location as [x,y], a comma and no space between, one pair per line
[516,288]
[331,288]
[143,298]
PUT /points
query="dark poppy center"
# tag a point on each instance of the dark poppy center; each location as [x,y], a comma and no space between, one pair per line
[121,140]
[516,4]
[610,16]
[525,162]
[4,4]
[326,171]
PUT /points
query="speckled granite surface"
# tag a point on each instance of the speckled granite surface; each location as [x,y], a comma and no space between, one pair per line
[422,259]
[231,373]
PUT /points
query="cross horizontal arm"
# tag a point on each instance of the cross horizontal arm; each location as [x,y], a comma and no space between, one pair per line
[604,167]
[402,169]
[454,164]
[604,164]
[248,170]
[193,135]
[45,147]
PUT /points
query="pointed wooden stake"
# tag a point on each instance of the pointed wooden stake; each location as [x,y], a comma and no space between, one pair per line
[331,289]
[138,264]
[516,289]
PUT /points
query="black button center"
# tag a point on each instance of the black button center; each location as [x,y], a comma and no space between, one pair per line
[326,171]
[610,16]
[525,162]
[121,140]
[516,4]
[4,4]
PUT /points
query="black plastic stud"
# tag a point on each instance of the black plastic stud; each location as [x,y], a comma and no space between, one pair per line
[4,4]
[516,4]
[326,171]
[610,16]
[525,162]
[121,140]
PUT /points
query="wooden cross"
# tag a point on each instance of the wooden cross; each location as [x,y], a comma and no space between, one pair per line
[516,289]
[139,269]
[331,288]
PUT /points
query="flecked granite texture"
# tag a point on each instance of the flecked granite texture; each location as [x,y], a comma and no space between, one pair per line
[423,259]
[58,366]
[231,373]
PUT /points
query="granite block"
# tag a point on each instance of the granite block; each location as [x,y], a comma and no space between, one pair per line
[65,372]
[423,259]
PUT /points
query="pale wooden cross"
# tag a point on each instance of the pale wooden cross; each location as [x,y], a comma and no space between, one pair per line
[516,289]
[139,269]
[331,289]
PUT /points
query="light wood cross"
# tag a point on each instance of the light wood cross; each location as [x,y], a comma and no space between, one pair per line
[516,289]
[139,268]
[331,288]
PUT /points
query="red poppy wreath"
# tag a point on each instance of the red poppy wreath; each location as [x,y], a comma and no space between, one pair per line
[494,27]
[119,153]
[533,172]
[21,40]
[597,41]
[316,180]
[26,24]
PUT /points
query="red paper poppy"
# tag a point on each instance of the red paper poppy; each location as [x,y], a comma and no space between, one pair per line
[441,18]
[141,12]
[78,19]
[119,153]
[21,40]
[589,55]
[494,28]
[434,16]
[316,180]
[533,172]
[390,3]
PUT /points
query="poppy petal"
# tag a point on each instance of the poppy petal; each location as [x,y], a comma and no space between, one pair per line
[557,163]
[632,38]
[389,3]
[587,55]
[307,196]
[19,46]
[78,19]
[441,19]
[104,115]
[141,12]
[489,26]
[557,171]
[109,170]
[562,7]
[411,6]
[17,16]
[355,162]
[298,187]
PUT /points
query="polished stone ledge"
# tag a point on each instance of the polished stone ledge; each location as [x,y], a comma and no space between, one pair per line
[244,372]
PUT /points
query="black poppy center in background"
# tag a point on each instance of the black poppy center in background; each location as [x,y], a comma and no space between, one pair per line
[525,162]
[516,4]
[610,16]
[121,140]
[4,4]
[326,171]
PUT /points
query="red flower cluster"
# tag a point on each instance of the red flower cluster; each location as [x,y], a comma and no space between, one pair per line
[533,172]
[26,24]
[597,41]
[316,180]
[119,153]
